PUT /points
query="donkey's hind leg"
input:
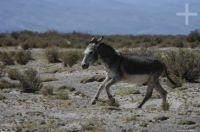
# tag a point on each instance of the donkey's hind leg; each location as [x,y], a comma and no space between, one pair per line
[163,94]
[149,92]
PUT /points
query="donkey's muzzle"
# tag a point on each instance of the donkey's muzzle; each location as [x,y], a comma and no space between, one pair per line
[85,66]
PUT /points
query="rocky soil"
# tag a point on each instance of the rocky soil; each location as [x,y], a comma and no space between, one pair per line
[68,109]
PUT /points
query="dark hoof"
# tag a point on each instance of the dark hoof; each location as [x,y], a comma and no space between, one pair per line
[112,100]
[93,102]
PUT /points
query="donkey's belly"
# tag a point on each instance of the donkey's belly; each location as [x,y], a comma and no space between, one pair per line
[138,79]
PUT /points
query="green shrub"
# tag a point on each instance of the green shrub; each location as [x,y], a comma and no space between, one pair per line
[52,54]
[183,64]
[30,81]
[70,58]
[23,57]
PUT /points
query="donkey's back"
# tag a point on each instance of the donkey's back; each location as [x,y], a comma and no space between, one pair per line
[141,65]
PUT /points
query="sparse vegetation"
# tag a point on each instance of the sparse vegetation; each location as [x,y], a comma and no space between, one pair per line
[183,65]
[70,58]
[6,84]
[2,69]
[92,125]
[186,122]
[52,54]
[6,58]
[30,81]
[28,39]
[129,118]
[13,74]
[47,90]
[62,95]
[23,57]
[127,91]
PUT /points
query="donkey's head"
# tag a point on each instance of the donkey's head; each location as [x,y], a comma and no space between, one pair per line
[90,53]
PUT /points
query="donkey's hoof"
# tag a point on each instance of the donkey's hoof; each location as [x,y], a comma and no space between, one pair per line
[93,102]
[165,106]
[112,100]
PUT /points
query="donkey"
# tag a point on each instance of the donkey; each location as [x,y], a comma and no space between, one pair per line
[121,67]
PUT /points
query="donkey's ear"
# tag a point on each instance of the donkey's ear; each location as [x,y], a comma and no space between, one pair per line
[100,39]
[93,39]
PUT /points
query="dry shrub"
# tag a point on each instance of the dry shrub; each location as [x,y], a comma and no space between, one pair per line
[47,90]
[13,74]
[52,54]
[30,81]
[70,58]
[23,57]
[2,66]
[6,58]
[183,65]
[92,124]
[7,84]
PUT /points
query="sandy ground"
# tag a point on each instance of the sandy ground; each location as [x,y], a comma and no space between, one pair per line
[35,112]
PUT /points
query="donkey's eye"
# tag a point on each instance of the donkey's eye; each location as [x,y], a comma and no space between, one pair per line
[91,52]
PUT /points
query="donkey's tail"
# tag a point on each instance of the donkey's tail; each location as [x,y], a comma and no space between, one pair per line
[167,75]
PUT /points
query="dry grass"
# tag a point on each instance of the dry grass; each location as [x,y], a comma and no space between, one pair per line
[92,125]
[127,91]
[23,57]
[70,58]
[6,58]
[13,74]
[2,71]
[183,65]
[52,54]
[47,90]
[30,81]
[6,84]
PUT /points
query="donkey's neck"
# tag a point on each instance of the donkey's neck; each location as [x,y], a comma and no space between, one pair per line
[108,55]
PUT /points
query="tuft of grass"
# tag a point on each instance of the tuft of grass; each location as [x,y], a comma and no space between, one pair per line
[48,79]
[62,95]
[92,125]
[30,81]
[186,122]
[70,58]
[23,57]
[52,54]
[47,90]
[13,74]
[2,71]
[129,118]
[126,91]
[67,88]
[6,58]
[108,103]
[6,84]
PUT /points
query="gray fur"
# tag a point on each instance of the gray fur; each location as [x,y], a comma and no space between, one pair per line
[125,68]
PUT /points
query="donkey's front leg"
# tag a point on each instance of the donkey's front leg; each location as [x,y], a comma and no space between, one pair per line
[107,87]
[93,101]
